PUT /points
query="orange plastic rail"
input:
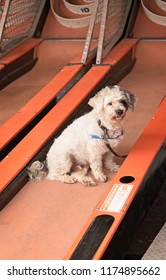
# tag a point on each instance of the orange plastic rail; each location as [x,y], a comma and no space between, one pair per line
[20,50]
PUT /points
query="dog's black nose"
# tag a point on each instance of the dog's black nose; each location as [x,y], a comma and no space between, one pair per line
[119,112]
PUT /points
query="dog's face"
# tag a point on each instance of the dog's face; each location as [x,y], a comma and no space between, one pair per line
[113,102]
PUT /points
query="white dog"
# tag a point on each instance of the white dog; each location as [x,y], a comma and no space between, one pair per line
[85,143]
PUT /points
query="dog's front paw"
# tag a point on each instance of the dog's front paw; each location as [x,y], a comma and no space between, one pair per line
[88,181]
[115,167]
[101,177]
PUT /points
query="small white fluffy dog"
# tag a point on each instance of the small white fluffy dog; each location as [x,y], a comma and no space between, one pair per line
[84,143]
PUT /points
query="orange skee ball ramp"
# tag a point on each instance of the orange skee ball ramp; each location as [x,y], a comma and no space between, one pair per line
[50,220]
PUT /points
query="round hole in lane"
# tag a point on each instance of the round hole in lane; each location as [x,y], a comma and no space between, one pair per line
[127,179]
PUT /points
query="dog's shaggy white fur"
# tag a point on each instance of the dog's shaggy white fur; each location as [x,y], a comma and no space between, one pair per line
[81,145]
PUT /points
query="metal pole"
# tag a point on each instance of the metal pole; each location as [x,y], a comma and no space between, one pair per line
[89,34]
[3,18]
[102,32]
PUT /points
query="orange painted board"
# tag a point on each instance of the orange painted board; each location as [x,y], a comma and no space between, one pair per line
[119,51]
[20,50]
[136,164]
[28,112]
[12,164]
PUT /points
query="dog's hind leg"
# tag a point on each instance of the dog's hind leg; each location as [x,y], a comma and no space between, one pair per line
[64,178]
[81,177]
[60,169]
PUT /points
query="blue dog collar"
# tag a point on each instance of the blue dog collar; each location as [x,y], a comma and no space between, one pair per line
[92,136]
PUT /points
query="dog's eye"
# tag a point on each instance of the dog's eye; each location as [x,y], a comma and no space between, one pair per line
[124,103]
[109,104]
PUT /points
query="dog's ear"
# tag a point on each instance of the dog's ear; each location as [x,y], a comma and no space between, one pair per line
[131,98]
[96,102]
